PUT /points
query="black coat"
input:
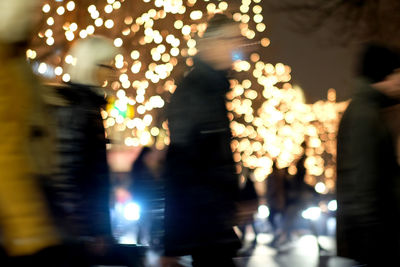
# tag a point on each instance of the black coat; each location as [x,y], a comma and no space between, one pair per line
[200,177]
[80,189]
[367,181]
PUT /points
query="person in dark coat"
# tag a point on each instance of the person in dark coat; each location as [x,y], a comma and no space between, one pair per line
[367,171]
[147,191]
[201,180]
[80,189]
[298,195]
[276,198]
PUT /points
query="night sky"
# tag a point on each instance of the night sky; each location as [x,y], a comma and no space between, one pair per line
[317,63]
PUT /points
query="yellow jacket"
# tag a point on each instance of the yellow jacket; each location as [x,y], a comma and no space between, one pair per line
[24,219]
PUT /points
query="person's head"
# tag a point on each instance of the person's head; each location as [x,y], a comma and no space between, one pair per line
[93,59]
[380,64]
[220,41]
[17,19]
[378,61]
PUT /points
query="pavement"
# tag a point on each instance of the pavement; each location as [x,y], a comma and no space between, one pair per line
[301,252]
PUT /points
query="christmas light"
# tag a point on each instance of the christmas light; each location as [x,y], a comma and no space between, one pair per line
[269,118]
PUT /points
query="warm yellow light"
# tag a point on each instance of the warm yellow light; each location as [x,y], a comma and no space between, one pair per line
[70,5]
[158,39]
[66,77]
[135,54]
[261,27]
[117,5]
[136,66]
[98,22]
[158,3]
[92,8]
[155,131]
[31,54]
[109,24]
[119,64]
[280,68]
[69,35]
[46,8]
[73,27]
[152,13]
[211,8]
[123,77]
[48,33]
[174,51]
[186,30]
[90,29]
[50,21]
[118,42]
[165,57]
[223,6]
[265,42]
[257,9]
[108,8]
[255,57]
[60,10]
[191,43]
[69,59]
[128,20]
[42,68]
[50,41]
[58,71]
[95,14]
[196,15]
[147,119]
[245,19]
[258,18]
[250,34]
[176,42]
[244,8]
[141,109]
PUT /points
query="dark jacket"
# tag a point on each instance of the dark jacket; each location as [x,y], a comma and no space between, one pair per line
[145,187]
[80,189]
[200,177]
[367,181]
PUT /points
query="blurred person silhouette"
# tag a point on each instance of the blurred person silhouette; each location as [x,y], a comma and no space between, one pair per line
[249,206]
[80,189]
[28,233]
[200,177]
[276,198]
[298,196]
[147,191]
[367,172]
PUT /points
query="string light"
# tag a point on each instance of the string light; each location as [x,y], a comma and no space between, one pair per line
[269,118]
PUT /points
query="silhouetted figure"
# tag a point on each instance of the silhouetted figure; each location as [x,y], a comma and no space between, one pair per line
[298,196]
[201,180]
[276,198]
[79,191]
[367,172]
[27,230]
[148,191]
[248,199]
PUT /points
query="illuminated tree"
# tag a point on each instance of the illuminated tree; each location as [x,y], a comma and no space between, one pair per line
[157,39]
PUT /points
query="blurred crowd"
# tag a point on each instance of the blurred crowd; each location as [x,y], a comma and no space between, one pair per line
[55,185]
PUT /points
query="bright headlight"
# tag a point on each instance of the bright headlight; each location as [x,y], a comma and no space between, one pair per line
[132,212]
[263,211]
[332,205]
[311,213]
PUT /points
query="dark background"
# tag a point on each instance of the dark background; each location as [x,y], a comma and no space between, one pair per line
[317,62]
